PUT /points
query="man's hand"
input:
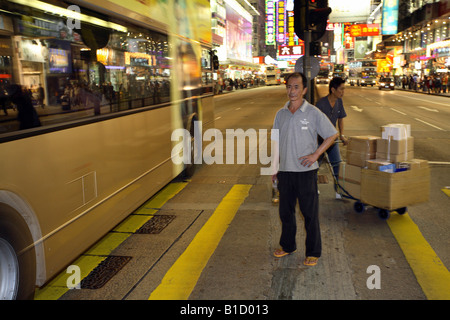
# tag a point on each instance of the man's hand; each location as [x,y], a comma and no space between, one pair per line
[307,161]
[344,139]
[274,177]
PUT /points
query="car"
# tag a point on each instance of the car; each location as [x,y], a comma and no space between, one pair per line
[353,81]
[367,82]
[322,79]
[386,83]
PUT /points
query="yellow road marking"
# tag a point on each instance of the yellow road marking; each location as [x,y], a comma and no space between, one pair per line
[58,286]
[99,252]
[446,190]
[431,273]
[182,277]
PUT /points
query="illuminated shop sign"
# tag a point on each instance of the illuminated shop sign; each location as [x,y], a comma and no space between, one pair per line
[270,22]
[390,17]
[288,51]
[364,30]
[58,61]
[281,25]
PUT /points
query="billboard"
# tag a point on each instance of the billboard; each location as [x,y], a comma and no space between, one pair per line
[389,23]
[349,10]
[364,30]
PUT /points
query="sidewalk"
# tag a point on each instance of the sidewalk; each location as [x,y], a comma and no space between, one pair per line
[447,94]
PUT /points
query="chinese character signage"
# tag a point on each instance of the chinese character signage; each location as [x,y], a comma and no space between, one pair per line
[281,29]
[390,17]
[270,22]
[364,30]
[287,51]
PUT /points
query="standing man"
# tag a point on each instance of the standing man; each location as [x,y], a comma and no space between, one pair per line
[41,96]
[333,108]
[298,124]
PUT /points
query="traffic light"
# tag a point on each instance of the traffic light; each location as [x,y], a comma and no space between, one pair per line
[311,15]
[315,48]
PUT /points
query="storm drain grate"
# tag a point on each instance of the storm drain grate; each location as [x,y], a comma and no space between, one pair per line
[104,272]
[156,224]
[322,179]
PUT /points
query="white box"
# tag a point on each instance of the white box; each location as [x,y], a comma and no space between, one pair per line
[397,131]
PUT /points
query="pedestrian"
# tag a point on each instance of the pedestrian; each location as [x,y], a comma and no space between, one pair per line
[26,114]
[333,107]
[429,84]
[448,83]
[41,96]
[298,124]
[444,83]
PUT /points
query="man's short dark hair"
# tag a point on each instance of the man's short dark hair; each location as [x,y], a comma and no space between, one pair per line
[297,75]
[335,83]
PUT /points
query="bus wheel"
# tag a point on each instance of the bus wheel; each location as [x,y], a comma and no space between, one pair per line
[9,271]
[17,257]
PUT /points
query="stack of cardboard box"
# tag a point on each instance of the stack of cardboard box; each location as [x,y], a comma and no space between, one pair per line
[382,171]
[359,150]
[396,143]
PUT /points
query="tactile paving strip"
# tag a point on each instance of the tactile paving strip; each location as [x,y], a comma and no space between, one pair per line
[156,224]
[104,272]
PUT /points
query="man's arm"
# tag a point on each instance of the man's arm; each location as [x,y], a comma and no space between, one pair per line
[341,131]
[308,160]
[275,159]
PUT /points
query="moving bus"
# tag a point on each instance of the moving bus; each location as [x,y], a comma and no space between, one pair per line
[273,74]
[363,72]
[98,86]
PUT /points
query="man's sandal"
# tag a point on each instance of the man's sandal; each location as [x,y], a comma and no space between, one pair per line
[281,253]
[310,261]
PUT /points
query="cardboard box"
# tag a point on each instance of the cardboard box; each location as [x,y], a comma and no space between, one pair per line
[397,131]
[392,191]
[349,179]
[363,144]
[375,164]
[361,148]
[349,172]
[352,189]
[395,146]
[396,157]
[359,158]
[413,164]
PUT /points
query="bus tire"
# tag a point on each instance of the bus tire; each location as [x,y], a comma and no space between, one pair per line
[14,238]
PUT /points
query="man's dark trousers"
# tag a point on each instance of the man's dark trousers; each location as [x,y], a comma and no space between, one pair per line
[301,186]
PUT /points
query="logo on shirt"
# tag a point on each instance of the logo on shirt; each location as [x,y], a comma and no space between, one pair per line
[304,122]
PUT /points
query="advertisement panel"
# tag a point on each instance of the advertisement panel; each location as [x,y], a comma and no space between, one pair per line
[349,10]
[364,30]
[390,17]
[239,36]
[190,18]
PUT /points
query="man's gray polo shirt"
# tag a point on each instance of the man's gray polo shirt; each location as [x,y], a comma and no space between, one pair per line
[298,134]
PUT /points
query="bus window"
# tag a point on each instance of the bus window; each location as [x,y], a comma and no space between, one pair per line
[84,73]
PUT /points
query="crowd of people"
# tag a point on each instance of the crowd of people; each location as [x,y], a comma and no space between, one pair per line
[436,83]
[229,84]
